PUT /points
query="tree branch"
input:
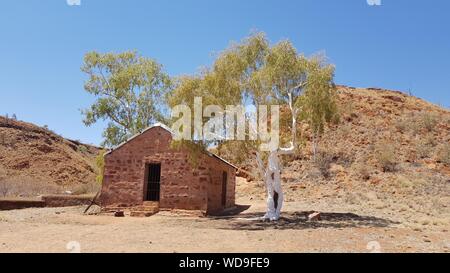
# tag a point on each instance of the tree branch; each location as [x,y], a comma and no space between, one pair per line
[260,163]
[116,120]
[294,112]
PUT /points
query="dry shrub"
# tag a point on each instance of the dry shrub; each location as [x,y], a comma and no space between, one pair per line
[4,189]
[3,173]
[416,128]
[25,187]
[385,155]
[429,121]
[82,149]
[405,125]
[344,130]
[2,138]
[363,171]
[92,187]
[404,182]
[416,124]
[100,164]
[430,139]
[322,162]
[423,149]
[444,154]
[347,109]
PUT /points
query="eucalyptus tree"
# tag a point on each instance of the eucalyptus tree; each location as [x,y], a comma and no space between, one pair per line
[129,90]
[257,73]
[319,99]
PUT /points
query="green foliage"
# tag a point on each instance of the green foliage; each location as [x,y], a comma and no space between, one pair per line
[236,151]
[196,150]
[100,163]
[318,103]
[129,90]
[254,72]
[227,80]
[82,149]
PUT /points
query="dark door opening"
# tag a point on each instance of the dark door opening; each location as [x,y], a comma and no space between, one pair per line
[224,188]
[153,182]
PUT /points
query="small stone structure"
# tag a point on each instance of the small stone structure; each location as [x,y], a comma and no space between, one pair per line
[45,201]
[146,169]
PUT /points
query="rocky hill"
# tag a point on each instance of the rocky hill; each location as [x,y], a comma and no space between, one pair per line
[389,154]
[34,160]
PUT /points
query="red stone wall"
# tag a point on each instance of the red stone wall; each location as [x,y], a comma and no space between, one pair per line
[67,200]
[182,185]
[215,186]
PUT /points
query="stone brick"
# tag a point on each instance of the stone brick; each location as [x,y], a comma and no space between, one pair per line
[183,186]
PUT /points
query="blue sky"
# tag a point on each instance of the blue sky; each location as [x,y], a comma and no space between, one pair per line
[402,45]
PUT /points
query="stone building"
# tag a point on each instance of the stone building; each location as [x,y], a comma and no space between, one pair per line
[146,168]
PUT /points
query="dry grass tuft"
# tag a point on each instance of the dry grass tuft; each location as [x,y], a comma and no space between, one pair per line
[444,154]
[363,171]
[429,121]
[26,187]
[322,162]
[423,149]
[87,188]
[385,155]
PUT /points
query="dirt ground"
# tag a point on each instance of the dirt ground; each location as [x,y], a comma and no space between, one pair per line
[68,230]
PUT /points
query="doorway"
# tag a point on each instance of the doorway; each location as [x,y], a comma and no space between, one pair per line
[153,181]
[224,188]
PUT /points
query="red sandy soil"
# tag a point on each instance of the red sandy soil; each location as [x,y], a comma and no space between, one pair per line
[340,229]
[52,229]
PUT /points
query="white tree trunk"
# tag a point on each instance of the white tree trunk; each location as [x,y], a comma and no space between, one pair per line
[275,195]
[272,179]
[272,173]
[315,145]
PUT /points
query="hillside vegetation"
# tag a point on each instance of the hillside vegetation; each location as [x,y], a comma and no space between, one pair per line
[389,154]
[34,160]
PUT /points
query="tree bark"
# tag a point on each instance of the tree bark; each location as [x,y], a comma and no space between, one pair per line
[272,173]
[275,196]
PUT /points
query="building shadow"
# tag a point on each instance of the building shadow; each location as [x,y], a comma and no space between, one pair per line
[236,210]
[299,220]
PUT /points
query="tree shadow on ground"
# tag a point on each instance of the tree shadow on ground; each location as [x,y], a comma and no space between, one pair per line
[236,210]
[299,220]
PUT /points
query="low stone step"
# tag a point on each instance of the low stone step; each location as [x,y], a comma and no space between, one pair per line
[137,213]
[145,208]
[150,203]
